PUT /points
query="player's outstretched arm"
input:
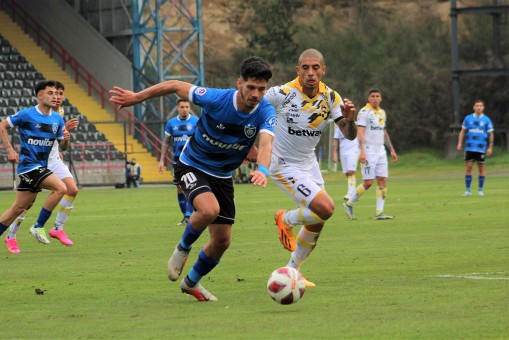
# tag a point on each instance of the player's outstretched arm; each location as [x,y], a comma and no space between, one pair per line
[128,98]
[259,176]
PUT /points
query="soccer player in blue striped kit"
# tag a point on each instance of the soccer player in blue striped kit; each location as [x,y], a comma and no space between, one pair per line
[39,128]
[178,130]
[477,130]
[224,136]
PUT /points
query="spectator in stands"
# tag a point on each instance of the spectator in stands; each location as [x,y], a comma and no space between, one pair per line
[178,130]
[59,168]
[39,128]
[132,174]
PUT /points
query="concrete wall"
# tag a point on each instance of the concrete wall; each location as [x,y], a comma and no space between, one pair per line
[84,43]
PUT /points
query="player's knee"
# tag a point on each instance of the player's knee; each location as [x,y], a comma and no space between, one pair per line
[221,243]
[72,191]
[60,190]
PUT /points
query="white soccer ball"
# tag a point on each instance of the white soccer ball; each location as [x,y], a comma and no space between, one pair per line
[286,285]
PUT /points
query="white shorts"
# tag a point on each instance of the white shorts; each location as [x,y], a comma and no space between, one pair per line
[376,166]
[349,161]
[60,169]
[301,185]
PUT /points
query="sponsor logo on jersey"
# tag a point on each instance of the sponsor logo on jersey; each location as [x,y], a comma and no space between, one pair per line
[476,131]
[303,132]
[249,130]
[38,126]
[200,91]
[289,99]
[226,146]
[220,126]
[40,142]
[180,139]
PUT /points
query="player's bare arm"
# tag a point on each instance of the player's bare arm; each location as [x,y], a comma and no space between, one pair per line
[259,176]
[335,147]
[64,143]
[12,155]
[491,139]
[252,155]
[388,144]
[347,125]
[128,98]
[71,124]
[362,143]
[164,150]
[460,140]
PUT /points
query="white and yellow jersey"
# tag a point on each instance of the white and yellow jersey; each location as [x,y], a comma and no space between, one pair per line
[373,122]
[54,154]
[300,120]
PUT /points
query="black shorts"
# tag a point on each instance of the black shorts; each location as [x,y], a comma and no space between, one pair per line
[471,156]
[30,181]
[194,182]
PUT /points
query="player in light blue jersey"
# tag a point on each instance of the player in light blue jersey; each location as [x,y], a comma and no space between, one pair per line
[39,128]
[178,130]
[224,136]
[477,131]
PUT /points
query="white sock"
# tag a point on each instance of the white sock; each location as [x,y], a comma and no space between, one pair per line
[300,216]
[380,199]
[66,205]
[13,229]
[351,185]
[305,243]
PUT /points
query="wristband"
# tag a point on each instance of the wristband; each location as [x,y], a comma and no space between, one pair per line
[263,169]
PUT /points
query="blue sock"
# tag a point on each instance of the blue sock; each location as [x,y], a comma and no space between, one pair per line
[44,215]
[189,237]
[3,228]
[189,208]
[468,181]
[202,267]
[182,202]
[481,182]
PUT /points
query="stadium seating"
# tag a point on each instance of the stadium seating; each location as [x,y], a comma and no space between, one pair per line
[17,80]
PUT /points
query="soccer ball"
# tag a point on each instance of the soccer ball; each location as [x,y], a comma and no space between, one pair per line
[286,285]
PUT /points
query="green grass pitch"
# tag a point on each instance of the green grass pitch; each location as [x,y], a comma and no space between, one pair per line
[439,270]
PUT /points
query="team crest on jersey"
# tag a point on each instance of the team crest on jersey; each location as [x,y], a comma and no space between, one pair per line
[55,128]
[249,130]
[200,91]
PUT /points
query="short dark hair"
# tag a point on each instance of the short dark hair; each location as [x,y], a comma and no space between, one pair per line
[180,100]
[255,67]
[479,101]
[59,85]
[44,84]
[374,90]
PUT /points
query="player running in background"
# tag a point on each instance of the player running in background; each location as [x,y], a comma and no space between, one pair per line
[349,156]
[229,124]
[39,129]
[178,130]
[303,107]
[479,132]
[372,136]
[59,168]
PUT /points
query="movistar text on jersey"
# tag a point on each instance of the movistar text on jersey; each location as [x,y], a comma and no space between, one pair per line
[304,132]
[226,146]
[40,142]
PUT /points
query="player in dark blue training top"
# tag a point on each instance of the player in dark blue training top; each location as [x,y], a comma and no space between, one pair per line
[224,137]
[478,129]
[178,130]
[39,128]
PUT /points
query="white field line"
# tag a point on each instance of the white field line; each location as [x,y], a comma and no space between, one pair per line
[476,276]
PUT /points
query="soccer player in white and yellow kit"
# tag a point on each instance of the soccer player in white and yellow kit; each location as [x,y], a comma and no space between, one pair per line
[349,157]
[373,138]
[303,107]
[59,168]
